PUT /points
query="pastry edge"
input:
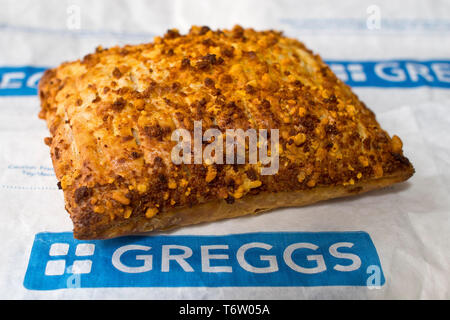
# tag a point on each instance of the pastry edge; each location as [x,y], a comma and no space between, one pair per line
[219,209]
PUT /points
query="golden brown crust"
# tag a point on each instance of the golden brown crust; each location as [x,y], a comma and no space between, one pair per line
[219,209]
[112,113]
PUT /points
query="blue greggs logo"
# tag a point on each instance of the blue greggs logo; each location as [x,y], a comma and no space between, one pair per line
[22,81]
[57,261]
[393,73]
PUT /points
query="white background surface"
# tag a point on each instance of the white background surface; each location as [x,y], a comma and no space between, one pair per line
[409,223]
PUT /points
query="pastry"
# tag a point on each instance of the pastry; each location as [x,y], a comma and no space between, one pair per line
[112,117]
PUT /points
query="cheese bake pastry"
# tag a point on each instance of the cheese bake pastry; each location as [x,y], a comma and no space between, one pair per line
[112,116]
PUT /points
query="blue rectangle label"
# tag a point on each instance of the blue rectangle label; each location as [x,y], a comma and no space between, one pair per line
[393,73]
[20,81]
[23,81]
[57,261]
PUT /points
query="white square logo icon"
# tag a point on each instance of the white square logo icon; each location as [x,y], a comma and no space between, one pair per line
[84,249]
[81,266]
[55,267]
[59,249]
[58,267]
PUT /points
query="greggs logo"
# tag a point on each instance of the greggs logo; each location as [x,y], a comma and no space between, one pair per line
[58,261]
[23,81]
